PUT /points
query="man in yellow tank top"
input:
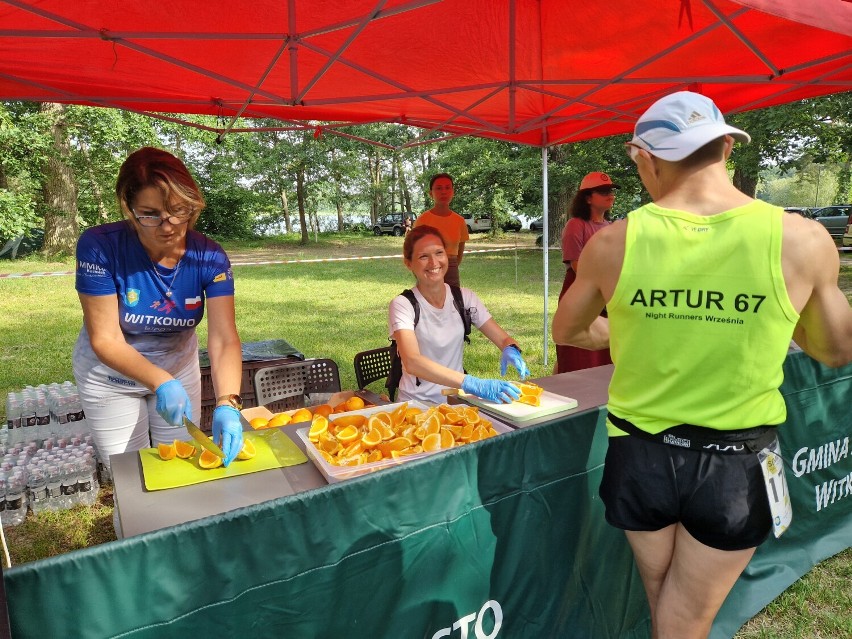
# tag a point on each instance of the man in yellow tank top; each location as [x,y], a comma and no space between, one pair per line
[704,289]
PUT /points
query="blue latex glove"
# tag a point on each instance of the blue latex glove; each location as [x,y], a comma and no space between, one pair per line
[228,431]
[512,355]
[494,390]
[173,402]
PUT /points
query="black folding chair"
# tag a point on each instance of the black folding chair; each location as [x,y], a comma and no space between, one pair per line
[371,366]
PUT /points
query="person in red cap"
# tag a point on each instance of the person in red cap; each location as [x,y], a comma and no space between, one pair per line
[586,216]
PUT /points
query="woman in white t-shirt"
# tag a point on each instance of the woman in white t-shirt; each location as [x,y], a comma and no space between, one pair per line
[431,351]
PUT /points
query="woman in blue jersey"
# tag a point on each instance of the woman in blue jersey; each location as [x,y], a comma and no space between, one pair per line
[143,283]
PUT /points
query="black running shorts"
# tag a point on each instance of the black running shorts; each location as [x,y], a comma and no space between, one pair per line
[720,499]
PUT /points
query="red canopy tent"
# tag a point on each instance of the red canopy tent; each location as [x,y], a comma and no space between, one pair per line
[537,72]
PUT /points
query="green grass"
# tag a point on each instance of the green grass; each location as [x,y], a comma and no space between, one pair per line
[335,309]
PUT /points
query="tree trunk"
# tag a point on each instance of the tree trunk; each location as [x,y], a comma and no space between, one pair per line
[59,188]
[338,202]
[844,180]
[558,199]
[286,205]
[376,184]
[745,181]
[405,194]
[103,211]
[300,197]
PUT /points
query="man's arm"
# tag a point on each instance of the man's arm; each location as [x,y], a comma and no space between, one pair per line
[577,321]
[811,267]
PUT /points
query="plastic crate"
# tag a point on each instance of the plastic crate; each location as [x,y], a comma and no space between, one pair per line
[208,396]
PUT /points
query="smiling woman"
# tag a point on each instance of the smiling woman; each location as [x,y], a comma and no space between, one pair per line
[430,324]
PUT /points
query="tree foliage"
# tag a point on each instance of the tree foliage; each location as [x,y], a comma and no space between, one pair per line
[280,179]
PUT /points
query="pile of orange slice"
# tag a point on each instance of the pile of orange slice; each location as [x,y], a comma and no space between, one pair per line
[530,393]
[352,440]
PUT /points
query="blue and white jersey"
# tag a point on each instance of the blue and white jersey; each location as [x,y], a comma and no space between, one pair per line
[112,261]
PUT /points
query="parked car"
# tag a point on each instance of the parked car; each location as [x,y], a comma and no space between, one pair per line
[391,224]
[477,222]
[834,218]
[511,224]
[847,236]
[537,225]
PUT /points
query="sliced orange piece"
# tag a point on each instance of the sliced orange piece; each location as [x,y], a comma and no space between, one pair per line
[411,412]
[384,417]
[353,449]
[354,403]
[374,456]
[348,434]
[248,450]
[397,444]
[372,438]
[398,415]
[447,439]
[432,442]
[528,388]
[349,420]
[279,419]
[329,443]
[166,451]
[328,458]
[184,450]
[259,422]
[532,400]
[301,415]
[387,432]
[323,409]
[432,424]
[319,425]
[209,460]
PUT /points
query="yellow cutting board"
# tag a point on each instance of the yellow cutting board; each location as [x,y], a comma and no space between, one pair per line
[273,450]
[551,404]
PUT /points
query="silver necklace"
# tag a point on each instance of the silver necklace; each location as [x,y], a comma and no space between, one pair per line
[174,276]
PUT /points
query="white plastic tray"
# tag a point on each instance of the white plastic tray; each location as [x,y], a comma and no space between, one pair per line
[334,474]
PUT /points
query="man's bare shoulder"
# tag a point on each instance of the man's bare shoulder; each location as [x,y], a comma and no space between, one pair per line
[604,252]
[805,239]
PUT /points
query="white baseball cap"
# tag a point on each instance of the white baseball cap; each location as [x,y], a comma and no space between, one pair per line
[679,124]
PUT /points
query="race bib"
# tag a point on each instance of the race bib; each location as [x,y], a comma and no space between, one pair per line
[776,487]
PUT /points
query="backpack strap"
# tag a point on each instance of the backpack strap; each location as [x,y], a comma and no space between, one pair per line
[409,295]
[458,302]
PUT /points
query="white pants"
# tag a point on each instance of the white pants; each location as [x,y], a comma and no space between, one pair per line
[125,418]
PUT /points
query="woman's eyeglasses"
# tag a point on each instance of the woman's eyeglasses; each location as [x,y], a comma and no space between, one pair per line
[180,216]
[604,190]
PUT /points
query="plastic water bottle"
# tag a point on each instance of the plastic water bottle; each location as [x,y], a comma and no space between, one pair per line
[42,419]
[16,498]
[37,489]
[54,486]
[28,421]
[69,485]
[76,417]
[13,416]
[85,491]
[90,468]
[3,517]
